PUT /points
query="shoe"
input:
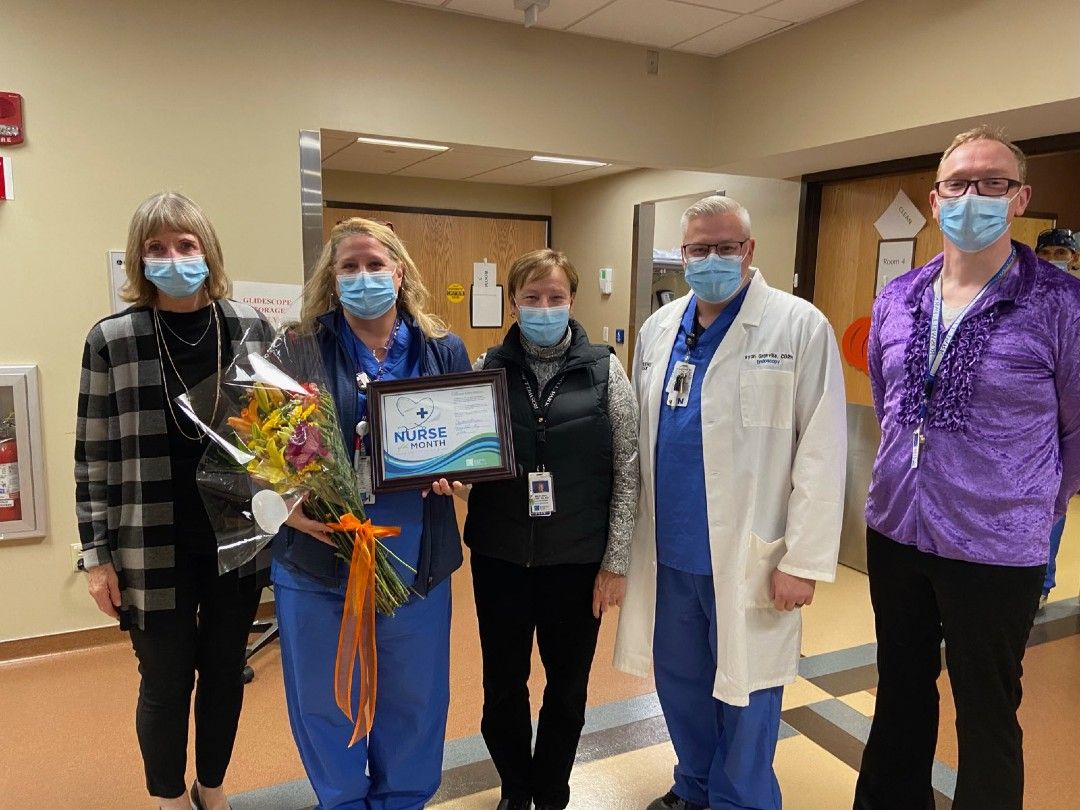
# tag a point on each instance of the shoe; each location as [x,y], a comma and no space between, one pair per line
[514,804]
[196,799]
[670,801]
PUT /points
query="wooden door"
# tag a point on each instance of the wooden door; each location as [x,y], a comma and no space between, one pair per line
[444,248]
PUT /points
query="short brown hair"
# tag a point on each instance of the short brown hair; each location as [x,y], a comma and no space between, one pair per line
[175,212]
[538,264]
[985,132]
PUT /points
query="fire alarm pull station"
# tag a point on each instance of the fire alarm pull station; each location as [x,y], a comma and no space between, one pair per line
[11,119]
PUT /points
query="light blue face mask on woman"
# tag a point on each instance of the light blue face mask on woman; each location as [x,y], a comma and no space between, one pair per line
[544,326]
[367,295]
[973,222]
[715,278]
[177,278]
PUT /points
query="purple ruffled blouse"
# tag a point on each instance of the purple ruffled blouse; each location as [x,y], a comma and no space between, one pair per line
[1002,452]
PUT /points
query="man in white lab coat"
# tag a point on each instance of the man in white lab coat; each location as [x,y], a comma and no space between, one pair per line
[742,444]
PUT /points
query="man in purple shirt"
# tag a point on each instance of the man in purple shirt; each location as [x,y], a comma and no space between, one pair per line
[975,370]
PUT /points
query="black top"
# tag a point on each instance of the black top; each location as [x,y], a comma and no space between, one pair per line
[197,367]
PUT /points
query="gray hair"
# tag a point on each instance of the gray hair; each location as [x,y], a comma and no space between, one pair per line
[711,206]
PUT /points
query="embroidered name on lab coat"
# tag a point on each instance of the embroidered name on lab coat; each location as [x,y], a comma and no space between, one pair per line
[780,360]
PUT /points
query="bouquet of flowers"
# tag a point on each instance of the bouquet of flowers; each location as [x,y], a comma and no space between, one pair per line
[279,446]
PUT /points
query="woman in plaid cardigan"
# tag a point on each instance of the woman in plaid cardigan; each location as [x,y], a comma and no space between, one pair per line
[148,547]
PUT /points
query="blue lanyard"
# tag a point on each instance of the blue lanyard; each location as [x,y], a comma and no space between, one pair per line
[936,352]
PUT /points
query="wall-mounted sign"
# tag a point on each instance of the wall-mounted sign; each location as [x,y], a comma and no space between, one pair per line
[901,220]
[455,293]
[280,303]
[894,258]
[11,119]
[7,190]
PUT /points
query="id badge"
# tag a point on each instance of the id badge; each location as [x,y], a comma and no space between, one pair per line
[916,447]
[365,484]
[541,494]
[678,389]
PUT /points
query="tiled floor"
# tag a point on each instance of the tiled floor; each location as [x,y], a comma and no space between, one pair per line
[68,733]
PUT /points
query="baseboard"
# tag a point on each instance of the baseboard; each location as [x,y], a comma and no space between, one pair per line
[18,649]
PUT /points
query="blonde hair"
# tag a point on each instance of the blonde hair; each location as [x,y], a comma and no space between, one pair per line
[539,264]
[413,298]
[714,205]
[170,211]
[985,132]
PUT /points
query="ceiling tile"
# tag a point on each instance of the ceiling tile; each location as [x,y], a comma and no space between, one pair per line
[586,174]
[559,14]
[802,10]
[457,164]
[734,34]
[736,6]
[648,22]
[421,2]
[526,173]
[366,157]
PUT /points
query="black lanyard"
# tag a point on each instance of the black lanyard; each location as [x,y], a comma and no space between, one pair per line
[540,413]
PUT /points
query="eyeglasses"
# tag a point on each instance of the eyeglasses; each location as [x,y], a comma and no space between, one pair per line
[700,250]
[984,187]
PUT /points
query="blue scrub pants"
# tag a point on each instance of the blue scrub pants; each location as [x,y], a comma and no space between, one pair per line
[1051,564]
[725,753]
[399,765]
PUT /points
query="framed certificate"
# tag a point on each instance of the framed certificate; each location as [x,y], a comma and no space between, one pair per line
[453,426]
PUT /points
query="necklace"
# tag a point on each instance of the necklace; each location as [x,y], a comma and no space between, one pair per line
[206,331]
[163,350]
[386,349]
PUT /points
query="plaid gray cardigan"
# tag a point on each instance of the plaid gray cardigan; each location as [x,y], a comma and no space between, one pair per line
[123,474]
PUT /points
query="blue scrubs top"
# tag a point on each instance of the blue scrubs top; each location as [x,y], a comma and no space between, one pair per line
[682,524]
[404,509]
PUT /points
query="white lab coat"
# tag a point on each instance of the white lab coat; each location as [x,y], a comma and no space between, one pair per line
[774,427]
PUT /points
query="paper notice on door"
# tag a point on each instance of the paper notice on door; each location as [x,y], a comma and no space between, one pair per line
[901,219]
[484,275]
[487,307]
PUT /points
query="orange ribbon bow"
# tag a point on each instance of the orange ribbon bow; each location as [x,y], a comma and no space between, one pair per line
[356,639]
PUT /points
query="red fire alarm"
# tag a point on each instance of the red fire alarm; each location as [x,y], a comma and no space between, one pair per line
[11,118]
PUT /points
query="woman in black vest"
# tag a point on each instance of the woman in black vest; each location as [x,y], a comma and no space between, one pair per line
[550,547]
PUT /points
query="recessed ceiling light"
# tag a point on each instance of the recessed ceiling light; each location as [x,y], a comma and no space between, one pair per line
[431,147]
[570,161]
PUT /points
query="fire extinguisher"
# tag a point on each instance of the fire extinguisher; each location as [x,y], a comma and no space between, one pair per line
[10,505]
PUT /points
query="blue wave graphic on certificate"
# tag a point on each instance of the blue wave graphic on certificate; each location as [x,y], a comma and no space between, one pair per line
[440,431]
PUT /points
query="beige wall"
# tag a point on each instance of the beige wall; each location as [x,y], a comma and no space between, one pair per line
[388,189]
[877,81]
[593,223]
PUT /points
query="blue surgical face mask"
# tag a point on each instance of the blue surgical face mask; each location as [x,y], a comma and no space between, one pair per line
[544,326]
[973,222]
[1061,266]
[178,278]
[715,278]
[367,295]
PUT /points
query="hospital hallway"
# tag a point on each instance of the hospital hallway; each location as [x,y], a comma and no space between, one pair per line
[69,731]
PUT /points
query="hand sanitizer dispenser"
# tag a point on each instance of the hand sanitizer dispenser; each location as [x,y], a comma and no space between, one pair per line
[606,284]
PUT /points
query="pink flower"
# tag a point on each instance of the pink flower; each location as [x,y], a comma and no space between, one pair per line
[305,446]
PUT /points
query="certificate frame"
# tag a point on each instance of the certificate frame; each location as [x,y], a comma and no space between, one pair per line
[483,450]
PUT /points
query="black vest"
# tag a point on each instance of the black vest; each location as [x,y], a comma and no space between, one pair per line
[574,445]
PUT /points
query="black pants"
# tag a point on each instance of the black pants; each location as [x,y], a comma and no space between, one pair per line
[207,633]
[555,602]
[985,614]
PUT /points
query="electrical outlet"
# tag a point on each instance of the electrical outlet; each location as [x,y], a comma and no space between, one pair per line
[76,557]
[605,338]
[652,62]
